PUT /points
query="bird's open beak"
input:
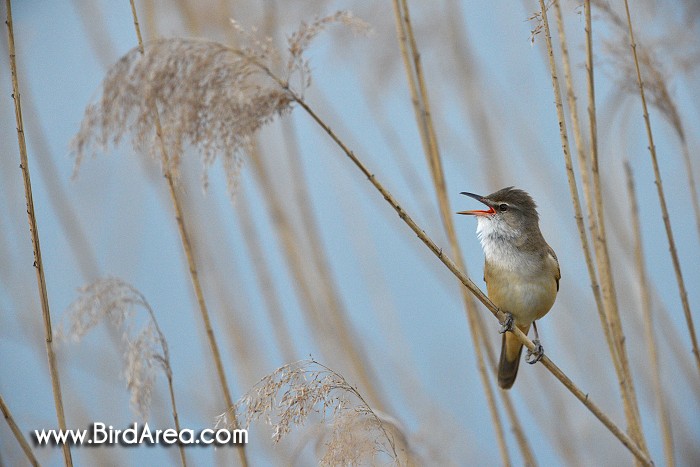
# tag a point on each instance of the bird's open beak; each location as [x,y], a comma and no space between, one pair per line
[481,199]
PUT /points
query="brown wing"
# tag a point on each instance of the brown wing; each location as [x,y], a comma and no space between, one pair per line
[557,276]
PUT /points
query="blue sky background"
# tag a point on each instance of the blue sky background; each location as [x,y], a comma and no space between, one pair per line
[403,304]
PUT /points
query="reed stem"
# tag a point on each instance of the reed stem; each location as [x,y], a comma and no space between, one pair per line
[621,364]
[662,198]
[648,320]
[34,232]
[19,436]
[421,106]
[187,247]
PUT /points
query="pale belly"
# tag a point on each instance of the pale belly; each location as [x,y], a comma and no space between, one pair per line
[527,297]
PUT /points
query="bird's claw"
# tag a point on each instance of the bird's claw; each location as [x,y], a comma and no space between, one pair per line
[534,356]
[507,324]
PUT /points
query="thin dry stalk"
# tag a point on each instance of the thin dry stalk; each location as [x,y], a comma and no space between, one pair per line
[585,179]
[189,15]
[629,399]
[595,213]
[298,267]
[187,247]
[571,178]
[664,418]
[691,182]
[34,232]
[406,169]
[263,274]
[93,21]
[471,89]
[294,258]
[75,234]
[662,197]
[17,432]
[474,103]
[421,106]
[598,223]
[516,426]
[660,97]
[340,328]
[593,141]
[176,417]
[425,408]
[338,313]
[223,271]
[656,90]
[585,175]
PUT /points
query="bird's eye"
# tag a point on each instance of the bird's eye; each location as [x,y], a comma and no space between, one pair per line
[503,207]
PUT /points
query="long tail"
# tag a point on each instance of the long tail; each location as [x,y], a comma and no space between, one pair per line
[511,349]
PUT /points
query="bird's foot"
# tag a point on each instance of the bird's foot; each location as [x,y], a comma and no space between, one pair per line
[534,356]
[507,325]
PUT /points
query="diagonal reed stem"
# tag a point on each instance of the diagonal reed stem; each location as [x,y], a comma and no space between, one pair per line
[662,198]
[187,247]
[17,432]
[34,232]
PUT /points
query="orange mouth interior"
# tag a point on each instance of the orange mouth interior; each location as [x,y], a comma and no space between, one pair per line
[479,212]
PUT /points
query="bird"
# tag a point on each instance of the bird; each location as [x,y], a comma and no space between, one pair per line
[521,270]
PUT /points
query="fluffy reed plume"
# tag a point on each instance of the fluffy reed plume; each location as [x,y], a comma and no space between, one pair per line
[208,96]
[354,435]
[679,56]
[288,396]
[114,301]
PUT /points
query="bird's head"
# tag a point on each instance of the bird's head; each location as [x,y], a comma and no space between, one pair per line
[511,212]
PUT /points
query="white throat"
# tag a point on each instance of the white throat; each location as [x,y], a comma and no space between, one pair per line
[498,242]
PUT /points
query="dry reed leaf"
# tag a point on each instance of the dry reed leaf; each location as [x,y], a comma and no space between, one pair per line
[538,27]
